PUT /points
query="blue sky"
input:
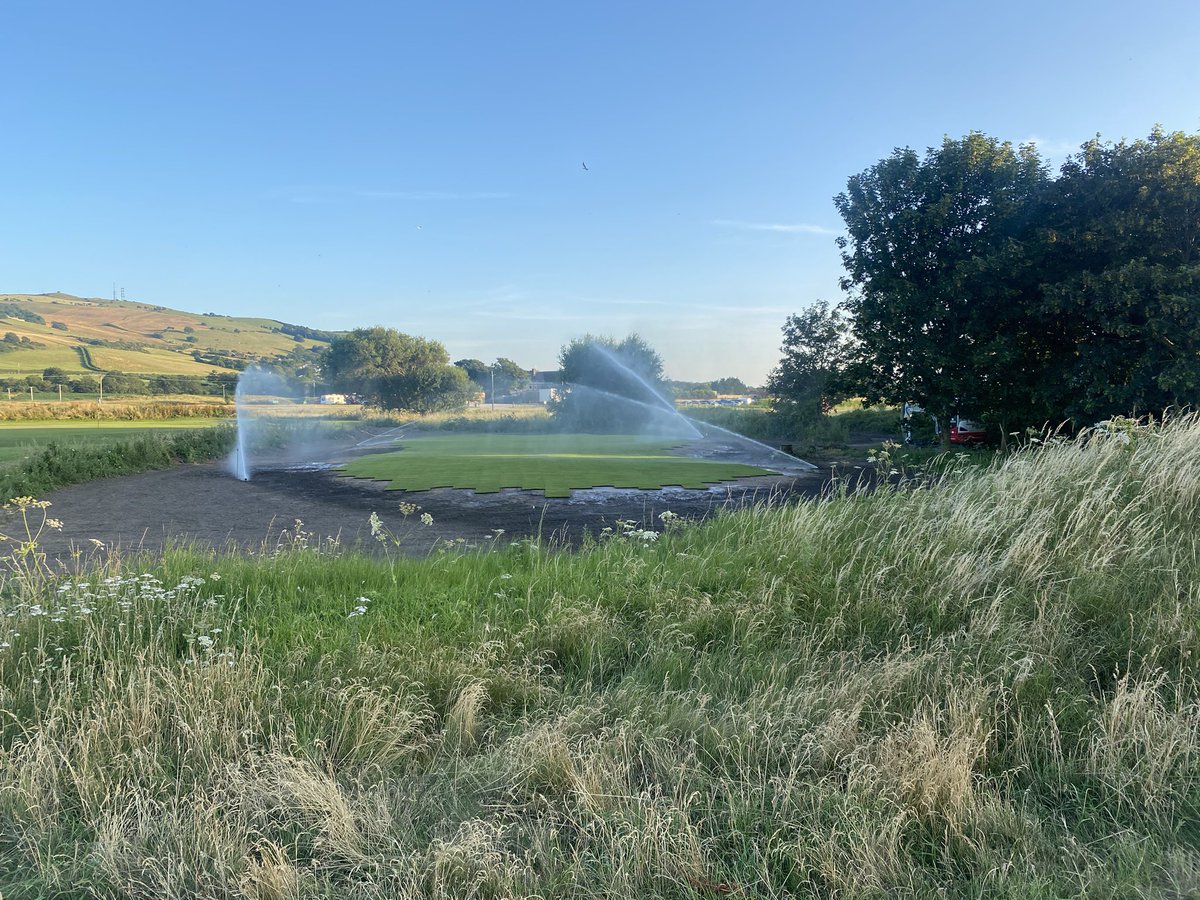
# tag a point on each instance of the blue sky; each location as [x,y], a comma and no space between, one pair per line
[421,165]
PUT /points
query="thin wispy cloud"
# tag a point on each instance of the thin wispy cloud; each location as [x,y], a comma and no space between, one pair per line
[777,227]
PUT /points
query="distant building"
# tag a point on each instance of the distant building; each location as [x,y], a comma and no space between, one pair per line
[532,395]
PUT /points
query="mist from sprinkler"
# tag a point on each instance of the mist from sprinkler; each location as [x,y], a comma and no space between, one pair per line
[262,398]
[260,392]
[654,407]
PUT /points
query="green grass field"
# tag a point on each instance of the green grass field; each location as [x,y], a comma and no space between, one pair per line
[19,440]
[554,463]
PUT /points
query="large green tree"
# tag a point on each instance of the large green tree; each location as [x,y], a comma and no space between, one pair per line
[1123,276]
[395,370]
[933,316]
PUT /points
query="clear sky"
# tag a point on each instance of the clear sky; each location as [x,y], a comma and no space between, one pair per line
[421,165]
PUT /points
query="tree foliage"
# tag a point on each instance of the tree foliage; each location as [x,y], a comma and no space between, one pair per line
[1124,234]
[509,376]
[616,385]
[476,369]
[929,317]
[623,367]
[395,370]
[506,375]
[809,377]
[730,385]
[977,283]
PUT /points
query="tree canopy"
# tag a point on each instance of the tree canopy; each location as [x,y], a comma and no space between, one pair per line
[1123,236]
[977,283]
[807,379]
[626,367]
[395,370]
[730,385]
[927,257]
[616,385]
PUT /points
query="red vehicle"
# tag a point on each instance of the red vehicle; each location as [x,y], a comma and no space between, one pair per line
[965,432]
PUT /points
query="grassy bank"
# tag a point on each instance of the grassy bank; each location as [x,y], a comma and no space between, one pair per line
[988,688]
[19,440]
[77,459]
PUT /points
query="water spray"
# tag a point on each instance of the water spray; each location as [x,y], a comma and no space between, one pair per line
[255,387]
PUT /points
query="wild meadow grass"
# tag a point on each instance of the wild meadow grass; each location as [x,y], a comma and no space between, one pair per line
[126,410]
[987,686]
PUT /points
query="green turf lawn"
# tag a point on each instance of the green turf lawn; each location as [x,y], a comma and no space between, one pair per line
[554,463]
[20,439]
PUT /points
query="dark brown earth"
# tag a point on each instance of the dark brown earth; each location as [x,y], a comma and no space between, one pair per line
[204,505]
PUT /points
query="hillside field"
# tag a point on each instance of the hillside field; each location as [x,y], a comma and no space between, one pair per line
[91,335]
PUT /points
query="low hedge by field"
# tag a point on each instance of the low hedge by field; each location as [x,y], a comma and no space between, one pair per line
[985,687]
[61,464]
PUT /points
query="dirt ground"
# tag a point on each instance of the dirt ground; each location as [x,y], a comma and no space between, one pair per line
[205,506]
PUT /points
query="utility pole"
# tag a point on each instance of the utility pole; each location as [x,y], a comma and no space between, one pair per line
[60,392]
[492,370]
[102,374]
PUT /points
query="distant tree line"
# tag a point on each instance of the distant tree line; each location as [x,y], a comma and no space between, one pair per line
[121,383]
[301,332]
[506,376]
[12,342]
[14,311]
[977,282]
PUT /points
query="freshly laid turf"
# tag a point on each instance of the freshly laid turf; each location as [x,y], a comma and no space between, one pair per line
[554,463]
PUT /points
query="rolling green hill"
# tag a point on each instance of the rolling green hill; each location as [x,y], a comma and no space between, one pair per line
[81,335]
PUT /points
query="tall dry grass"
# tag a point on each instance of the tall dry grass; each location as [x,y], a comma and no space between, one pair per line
[114,410]
[984,687]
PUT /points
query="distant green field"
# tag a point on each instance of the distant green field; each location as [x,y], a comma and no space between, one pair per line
[554,463]
[21,439]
